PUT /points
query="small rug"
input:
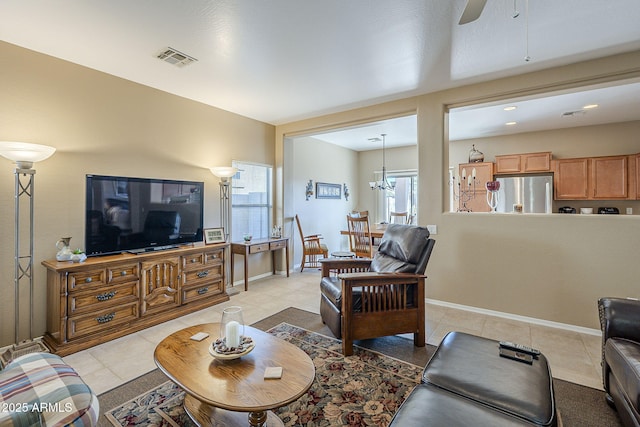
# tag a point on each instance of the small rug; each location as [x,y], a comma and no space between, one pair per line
[360,390]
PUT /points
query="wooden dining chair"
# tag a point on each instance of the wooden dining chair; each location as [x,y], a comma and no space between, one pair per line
[360,242]
[312,249]
[398,218]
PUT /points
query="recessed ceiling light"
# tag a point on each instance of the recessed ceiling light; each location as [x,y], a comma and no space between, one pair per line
[511,123]
[590,106]
[510,108]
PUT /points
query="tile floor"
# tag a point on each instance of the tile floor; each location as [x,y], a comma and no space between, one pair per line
[573,356]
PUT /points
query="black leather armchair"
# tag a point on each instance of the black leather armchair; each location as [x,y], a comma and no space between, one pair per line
[369,298]
[620,324]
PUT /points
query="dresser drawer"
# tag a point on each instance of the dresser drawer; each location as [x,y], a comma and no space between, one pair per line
[204,274]
[101,320]
[98,299]
[202,259]
[86,279]
[262,247]
[123,273]
[277,245]
[194,293]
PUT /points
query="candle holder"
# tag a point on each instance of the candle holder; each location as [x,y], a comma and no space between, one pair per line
[232,326]
[492,194]
[466,189]
[232,343]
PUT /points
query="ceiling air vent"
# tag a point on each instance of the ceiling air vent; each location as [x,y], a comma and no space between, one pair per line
[574,113]
[175,57]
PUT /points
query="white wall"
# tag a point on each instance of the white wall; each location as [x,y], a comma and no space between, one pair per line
[311,159]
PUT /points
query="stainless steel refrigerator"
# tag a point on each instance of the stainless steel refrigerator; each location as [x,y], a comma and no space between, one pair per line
[533,192]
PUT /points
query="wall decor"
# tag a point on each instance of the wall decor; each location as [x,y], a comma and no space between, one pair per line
[346,191]
[214,235]
[309,191]
[328,191]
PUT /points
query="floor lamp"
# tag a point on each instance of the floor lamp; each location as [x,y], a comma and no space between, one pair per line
[24,155]
[225,173]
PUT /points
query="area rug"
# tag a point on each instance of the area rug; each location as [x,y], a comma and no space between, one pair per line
[363,390]
[579,406]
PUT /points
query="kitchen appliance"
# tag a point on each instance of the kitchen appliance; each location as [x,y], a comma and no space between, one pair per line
[532,193]
[567,209]
[608,211]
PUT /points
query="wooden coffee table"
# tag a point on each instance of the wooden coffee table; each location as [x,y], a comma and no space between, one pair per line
[223,391]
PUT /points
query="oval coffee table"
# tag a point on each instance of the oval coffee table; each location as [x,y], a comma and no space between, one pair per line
[223,391]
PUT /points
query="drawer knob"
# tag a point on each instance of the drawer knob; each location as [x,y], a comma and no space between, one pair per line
[194,260]
[203,274]
[106,318]
[123,273]
[203,291]
[88,280]
[106,296]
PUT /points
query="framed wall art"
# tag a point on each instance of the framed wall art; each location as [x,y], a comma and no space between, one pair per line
[328,191]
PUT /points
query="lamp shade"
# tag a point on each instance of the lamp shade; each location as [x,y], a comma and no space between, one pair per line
[224,172]
[25,154]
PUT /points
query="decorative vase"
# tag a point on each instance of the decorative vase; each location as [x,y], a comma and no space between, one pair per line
[232,326]
[64,252]
[475,156]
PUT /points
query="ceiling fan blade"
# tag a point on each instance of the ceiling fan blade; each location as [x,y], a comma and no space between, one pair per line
[472,11]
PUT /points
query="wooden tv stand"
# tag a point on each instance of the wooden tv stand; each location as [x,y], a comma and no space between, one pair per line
[108,297]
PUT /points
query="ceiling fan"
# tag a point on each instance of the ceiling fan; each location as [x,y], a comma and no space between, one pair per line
[472,11]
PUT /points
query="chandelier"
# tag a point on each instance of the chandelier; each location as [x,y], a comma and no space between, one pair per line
[383,184]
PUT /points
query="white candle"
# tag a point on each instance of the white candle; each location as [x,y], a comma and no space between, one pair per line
[232,332]
[473,173]
[464,173]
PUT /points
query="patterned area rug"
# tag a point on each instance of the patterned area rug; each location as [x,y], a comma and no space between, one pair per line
[365,389]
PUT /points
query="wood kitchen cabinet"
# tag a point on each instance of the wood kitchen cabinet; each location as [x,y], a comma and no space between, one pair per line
[478,200]
[523,163]
[609,178]
[592,178]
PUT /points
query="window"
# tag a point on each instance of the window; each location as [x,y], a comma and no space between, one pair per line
[251,201]
[403,198]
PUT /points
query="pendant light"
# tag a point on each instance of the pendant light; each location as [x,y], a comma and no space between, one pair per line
[383,184]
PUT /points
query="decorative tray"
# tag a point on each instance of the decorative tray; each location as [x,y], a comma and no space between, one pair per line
[219,349]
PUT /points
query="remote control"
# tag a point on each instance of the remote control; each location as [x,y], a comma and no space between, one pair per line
[516,355]
[519,347]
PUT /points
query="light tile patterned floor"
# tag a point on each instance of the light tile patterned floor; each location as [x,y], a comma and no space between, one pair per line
[573,356]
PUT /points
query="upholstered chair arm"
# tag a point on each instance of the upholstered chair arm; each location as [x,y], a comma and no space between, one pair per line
[333,267]
[620,318]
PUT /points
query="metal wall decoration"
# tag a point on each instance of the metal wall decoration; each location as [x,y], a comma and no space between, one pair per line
[346,191]
[309,190]
[328,191]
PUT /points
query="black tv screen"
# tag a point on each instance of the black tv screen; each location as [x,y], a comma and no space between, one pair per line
[141,214]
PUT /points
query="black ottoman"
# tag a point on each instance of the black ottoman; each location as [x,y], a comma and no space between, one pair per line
[466,381]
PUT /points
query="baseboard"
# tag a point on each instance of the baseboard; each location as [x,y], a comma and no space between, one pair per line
[258,277]
[536,321]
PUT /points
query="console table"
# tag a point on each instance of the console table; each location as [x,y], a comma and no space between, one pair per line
[257,246]
[107,297]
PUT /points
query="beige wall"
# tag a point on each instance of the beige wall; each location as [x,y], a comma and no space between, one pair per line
[101,124]
[315,160]
[551,267]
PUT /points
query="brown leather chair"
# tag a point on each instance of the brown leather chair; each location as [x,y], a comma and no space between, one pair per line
[312,249]
[368,298]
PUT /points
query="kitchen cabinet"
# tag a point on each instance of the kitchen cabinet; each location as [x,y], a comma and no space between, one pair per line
[474,197]
[609,178]
[523,163]
[592,178]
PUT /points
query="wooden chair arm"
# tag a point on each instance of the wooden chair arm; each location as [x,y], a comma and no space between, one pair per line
[349,265]
[382,278]
[313,237]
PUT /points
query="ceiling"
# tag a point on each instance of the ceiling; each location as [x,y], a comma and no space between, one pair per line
[283,60]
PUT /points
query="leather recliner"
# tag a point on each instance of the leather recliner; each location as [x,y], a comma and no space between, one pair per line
[367,298]
[620,324]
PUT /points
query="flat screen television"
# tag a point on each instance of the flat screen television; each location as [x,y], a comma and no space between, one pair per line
[126,214]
